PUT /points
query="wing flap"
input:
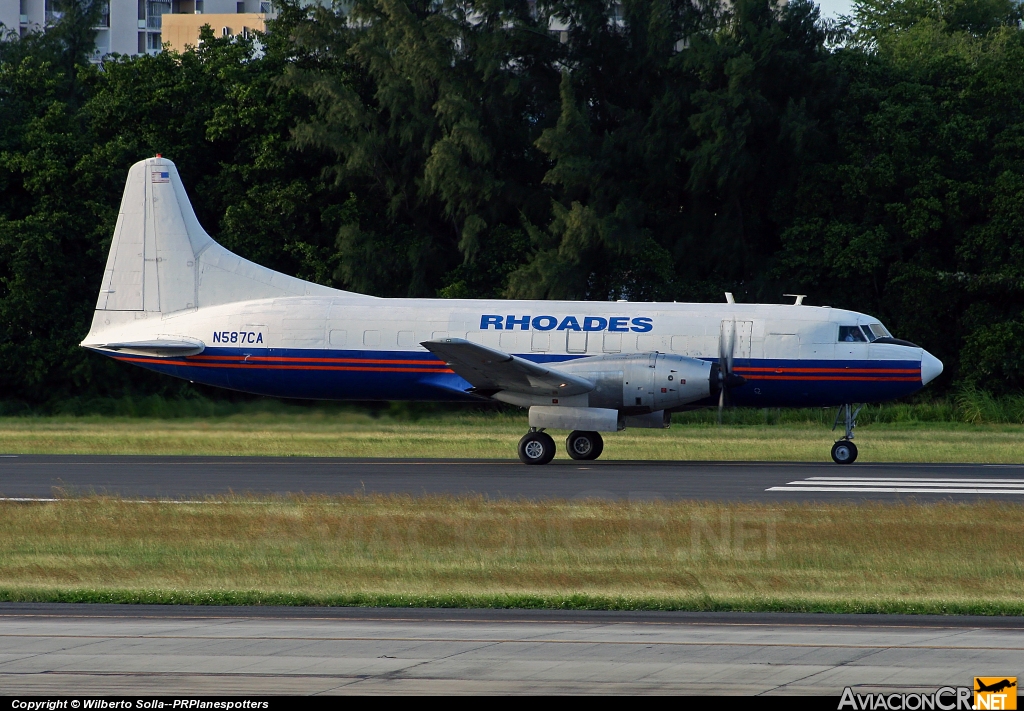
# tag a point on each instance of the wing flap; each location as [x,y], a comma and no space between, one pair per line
[487,369]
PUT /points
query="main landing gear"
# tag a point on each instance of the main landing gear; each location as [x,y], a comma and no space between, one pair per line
[844,451]
[537,447]
[584,445]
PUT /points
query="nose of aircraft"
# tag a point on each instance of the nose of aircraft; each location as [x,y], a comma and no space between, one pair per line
[931,367]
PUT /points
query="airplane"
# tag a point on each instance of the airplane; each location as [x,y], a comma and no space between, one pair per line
[175,301]
[996,687]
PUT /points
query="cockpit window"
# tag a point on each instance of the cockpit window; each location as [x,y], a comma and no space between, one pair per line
[876,331]
[851,334]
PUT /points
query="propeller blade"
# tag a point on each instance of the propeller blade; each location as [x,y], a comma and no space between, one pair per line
[726,353]
[731,348]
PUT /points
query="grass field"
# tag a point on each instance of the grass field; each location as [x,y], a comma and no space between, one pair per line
[436,551]
[494,435]
[946,558]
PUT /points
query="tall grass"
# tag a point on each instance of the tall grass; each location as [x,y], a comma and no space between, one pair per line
[978,406]
[160,407]
[968,405]
[471,551]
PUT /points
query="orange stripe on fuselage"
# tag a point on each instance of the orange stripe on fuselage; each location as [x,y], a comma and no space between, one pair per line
[265,366]
[834,378]
[368,365]
[838,371]
[282,359]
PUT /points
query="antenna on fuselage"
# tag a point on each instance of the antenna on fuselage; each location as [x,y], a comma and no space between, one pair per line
[728,298]
[799,298]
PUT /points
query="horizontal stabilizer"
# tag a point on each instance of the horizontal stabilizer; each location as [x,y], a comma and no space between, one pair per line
[160,348]
[487,369]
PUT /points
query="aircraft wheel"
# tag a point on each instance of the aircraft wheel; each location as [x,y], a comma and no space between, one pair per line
[584,445]
[536,448]
[844,452]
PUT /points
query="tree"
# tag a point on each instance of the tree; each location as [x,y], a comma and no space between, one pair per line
[68,134]
[913,215]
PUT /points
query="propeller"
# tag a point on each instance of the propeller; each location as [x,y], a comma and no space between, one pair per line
[727,379]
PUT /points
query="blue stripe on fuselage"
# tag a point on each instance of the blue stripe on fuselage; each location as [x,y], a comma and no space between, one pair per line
[393,375]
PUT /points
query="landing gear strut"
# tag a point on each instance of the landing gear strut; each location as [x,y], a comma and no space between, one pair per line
[536,447]
[584,445]
[844,451]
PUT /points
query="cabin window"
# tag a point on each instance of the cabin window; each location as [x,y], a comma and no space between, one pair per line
[576,341]
[371,338]
[486,338]
[338,338]
[851,334]
[406,339]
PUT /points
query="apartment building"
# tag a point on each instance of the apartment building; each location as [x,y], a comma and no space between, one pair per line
[146,26]
[138,26]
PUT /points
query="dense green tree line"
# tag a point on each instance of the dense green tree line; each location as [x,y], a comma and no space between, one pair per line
[655,149]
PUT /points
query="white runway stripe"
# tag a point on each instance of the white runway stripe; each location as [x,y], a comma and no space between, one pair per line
[904,485]
[913,479]
[906,482]
[895,490]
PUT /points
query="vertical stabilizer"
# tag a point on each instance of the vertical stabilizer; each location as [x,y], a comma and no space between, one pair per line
[152,260]
[162,261]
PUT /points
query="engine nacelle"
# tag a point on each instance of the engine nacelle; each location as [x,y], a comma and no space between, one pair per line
[644,382]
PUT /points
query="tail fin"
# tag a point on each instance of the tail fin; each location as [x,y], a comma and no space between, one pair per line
[161,259]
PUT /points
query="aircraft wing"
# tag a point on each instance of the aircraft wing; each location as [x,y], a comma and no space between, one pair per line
[489,371]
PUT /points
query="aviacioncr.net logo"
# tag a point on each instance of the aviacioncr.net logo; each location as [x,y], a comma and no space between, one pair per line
[995,692]
[947,698]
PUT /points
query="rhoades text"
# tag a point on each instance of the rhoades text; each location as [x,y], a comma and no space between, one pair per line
[615,324]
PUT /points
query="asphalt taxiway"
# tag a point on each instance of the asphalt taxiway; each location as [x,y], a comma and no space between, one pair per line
[114,649]
[46,476]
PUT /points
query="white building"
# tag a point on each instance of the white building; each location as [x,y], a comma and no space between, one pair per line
[128,26]
[137,26]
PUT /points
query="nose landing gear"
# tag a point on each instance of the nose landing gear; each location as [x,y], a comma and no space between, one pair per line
[844,451]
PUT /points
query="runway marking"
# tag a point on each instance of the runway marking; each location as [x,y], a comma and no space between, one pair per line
[522,640]
[903,485]
[783,624]
[906,482]
[1010,482]
[893,490]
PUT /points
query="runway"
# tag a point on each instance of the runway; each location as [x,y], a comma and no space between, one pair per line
[112,649]
[42,476]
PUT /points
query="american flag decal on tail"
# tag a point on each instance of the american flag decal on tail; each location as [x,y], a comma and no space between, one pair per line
[161,176]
